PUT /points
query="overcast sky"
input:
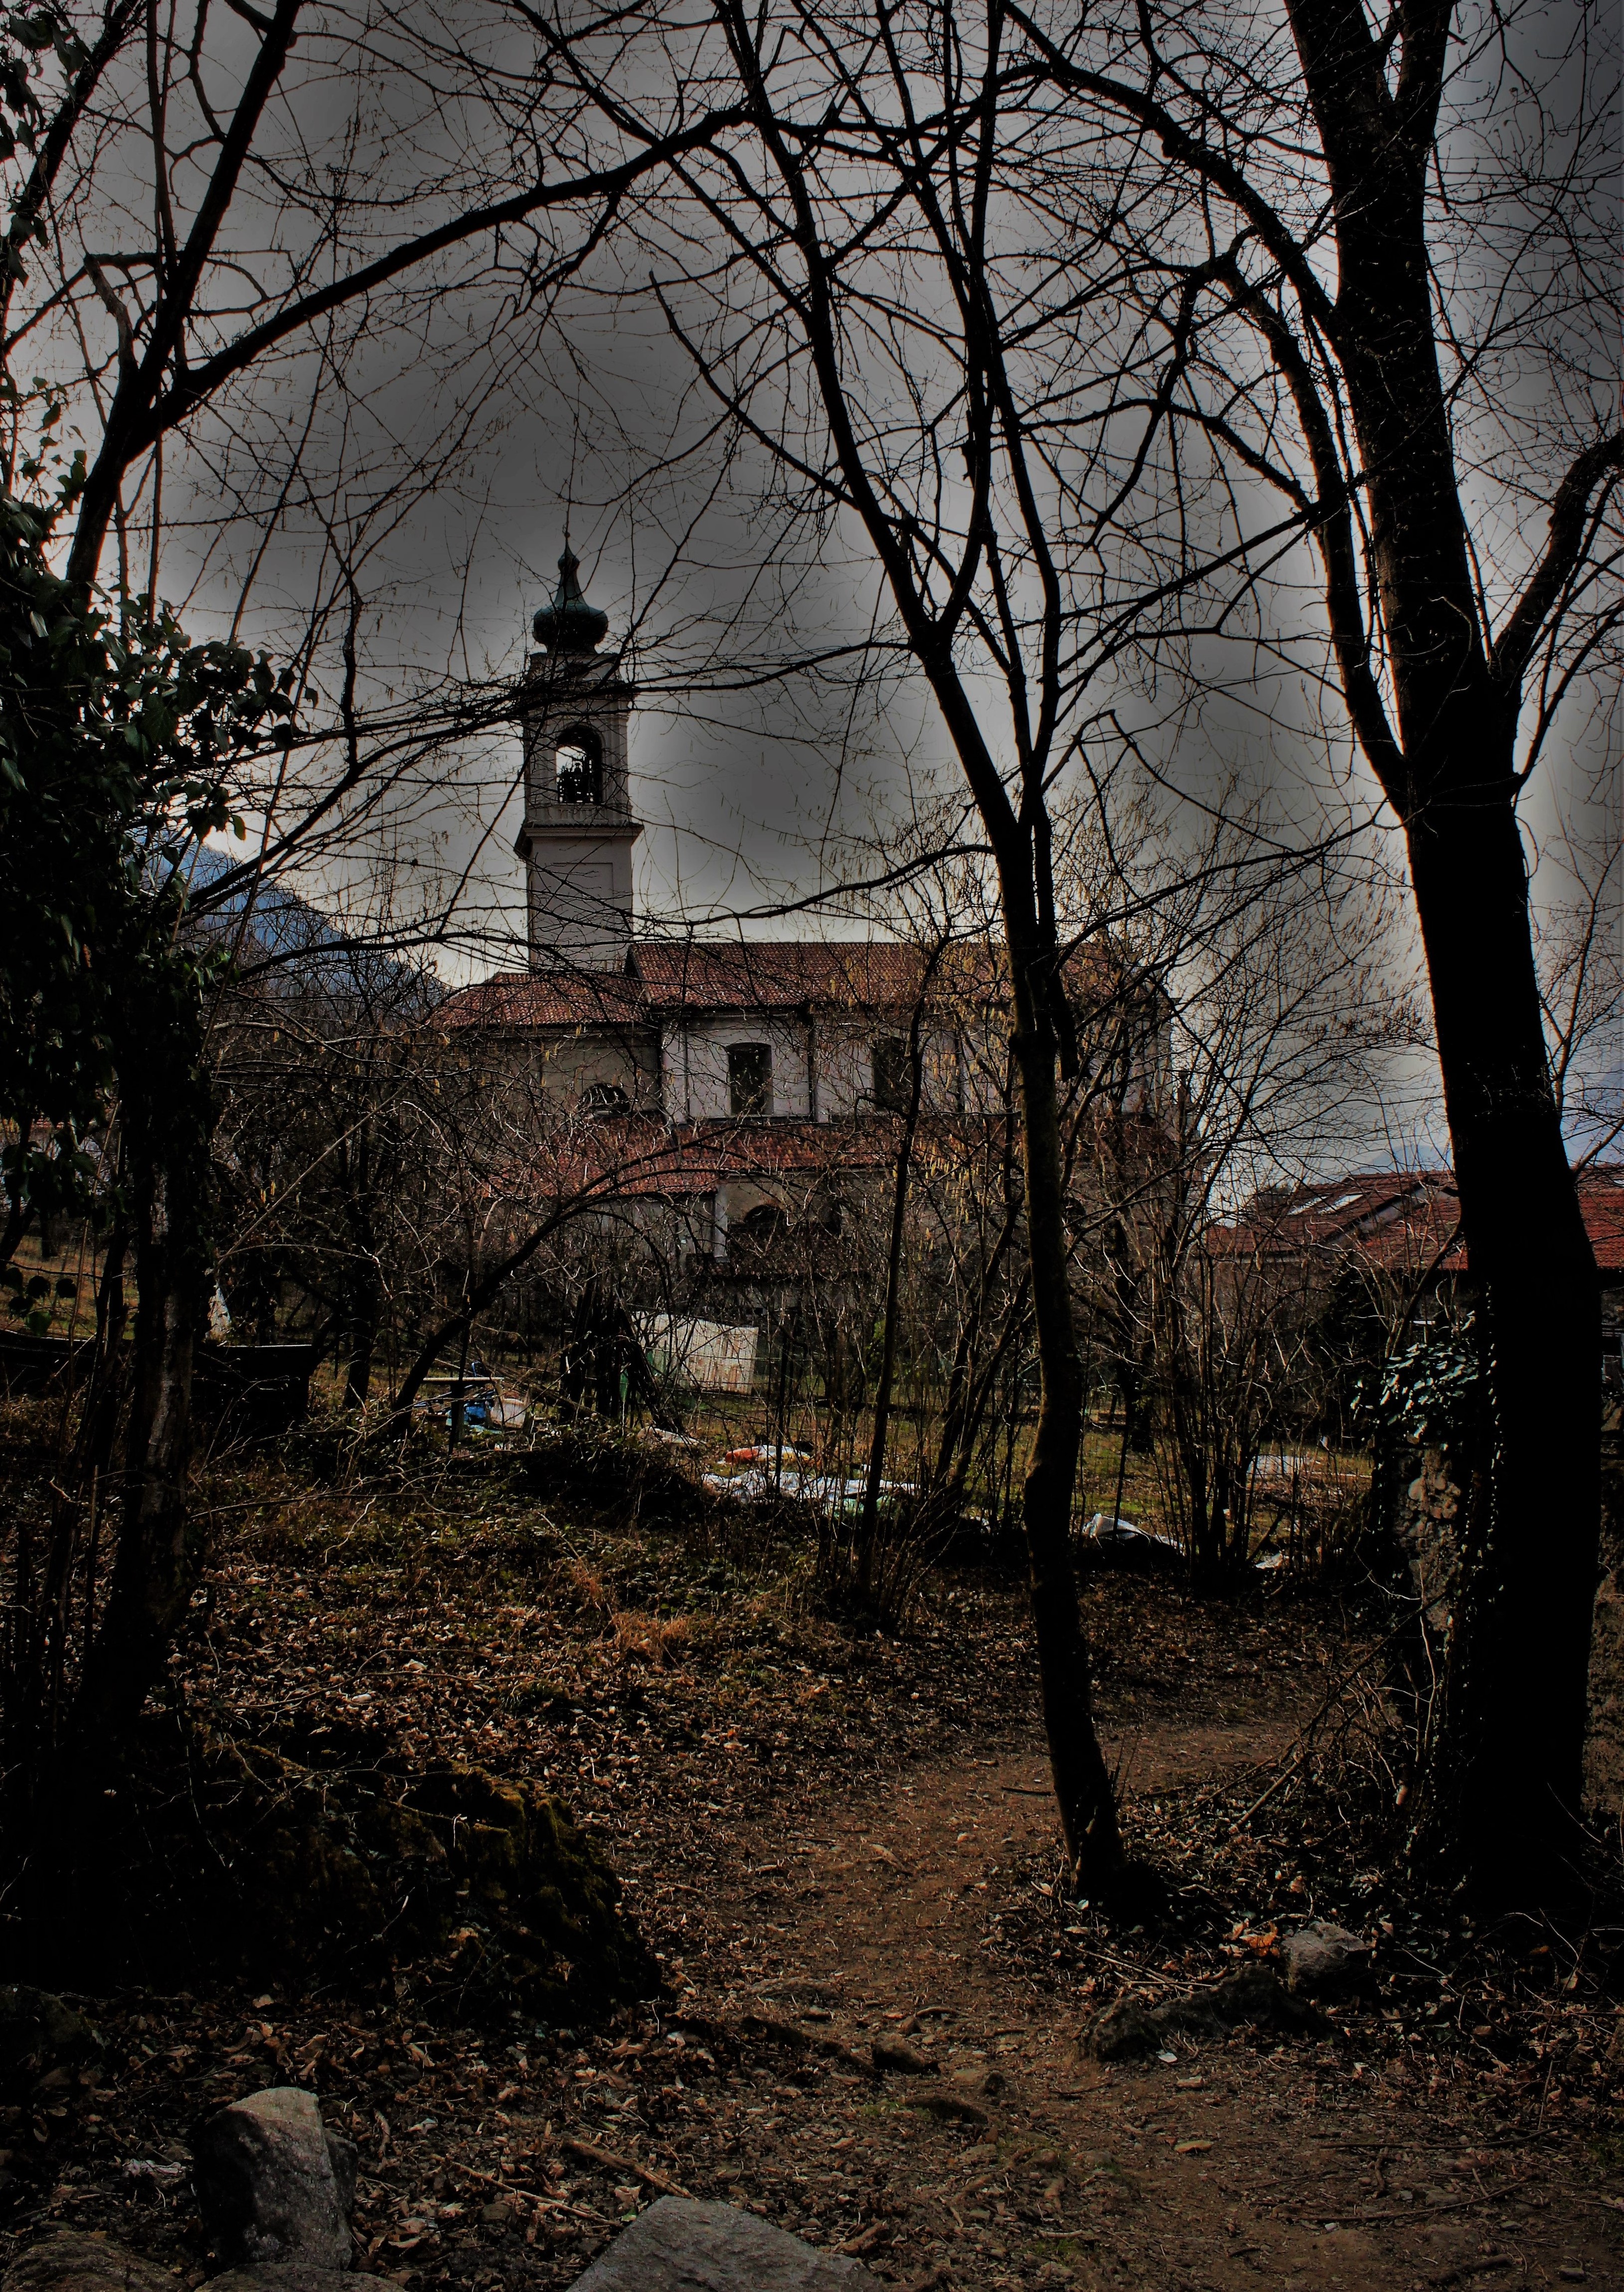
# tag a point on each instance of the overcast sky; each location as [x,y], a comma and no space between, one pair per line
[444,453]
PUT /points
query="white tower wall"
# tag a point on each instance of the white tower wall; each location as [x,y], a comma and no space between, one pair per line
[578,853]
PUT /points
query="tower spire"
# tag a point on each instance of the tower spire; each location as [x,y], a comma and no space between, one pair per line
[569,624]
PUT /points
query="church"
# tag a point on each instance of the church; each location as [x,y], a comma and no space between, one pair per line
[739,1078]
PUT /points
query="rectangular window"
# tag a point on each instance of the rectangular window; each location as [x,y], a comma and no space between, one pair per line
[892,1074]
[750,1077]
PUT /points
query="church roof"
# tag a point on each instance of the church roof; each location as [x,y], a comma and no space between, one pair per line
[696,1157]
[569,624]
[546,998]
[663,977]
[641,1155]
[725,975]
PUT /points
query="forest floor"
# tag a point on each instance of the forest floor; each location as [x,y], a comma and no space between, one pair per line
[834,1838]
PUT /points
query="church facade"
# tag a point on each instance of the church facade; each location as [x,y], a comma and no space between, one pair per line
[732,1079]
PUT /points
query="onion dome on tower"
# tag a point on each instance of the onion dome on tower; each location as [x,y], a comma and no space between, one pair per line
[569,624]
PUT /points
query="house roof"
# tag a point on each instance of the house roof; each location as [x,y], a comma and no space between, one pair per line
[663,977]
[1601,1198]
[1405,1220]
[1398,1216]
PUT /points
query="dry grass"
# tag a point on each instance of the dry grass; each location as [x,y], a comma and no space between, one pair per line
[652,1640]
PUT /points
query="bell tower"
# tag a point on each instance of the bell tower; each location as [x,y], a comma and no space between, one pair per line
[578,832]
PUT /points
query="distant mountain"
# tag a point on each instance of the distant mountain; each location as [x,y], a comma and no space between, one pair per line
[291,948]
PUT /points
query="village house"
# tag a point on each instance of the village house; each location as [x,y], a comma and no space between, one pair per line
[1399,1232]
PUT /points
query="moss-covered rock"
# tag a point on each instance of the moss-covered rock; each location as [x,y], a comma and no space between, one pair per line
[328,1853]
[485,1889]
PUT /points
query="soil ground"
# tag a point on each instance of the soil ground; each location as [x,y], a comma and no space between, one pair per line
[835,1838]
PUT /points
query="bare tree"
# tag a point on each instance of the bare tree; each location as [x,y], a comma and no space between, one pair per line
[849,335]
[1324,318]
[197,232]
[337,1112]
[1580,948]
[1284,1016]
[201,130]
[1042,317]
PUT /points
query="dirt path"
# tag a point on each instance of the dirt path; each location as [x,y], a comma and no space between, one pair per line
[899,1886]
[834,1838]
[1232,2165]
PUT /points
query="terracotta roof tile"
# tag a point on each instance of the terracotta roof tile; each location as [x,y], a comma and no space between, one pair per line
[636,1154]
[761,972]
[545,999]
[1601,1198]
[1403,1220]
[667,975]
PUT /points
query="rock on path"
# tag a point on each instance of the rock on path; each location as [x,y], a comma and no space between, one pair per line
[682,2245]
[273,2183]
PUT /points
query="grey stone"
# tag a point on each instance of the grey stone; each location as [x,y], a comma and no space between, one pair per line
[282,2276]
[344,2157]
[70,2263]
[1322,1960]
[682,2245]
[272,2183]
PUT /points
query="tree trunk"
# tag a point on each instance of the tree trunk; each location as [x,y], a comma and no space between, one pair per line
[870,1533]
[1503,1795]
[969,1391]
[99,1422]
[1083,1784]
[166,1133]
[365,1317]
[1018,839]
[1504,1785]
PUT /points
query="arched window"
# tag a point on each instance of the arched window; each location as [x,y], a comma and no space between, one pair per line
[579,766]
[760,1227]
[605,1098]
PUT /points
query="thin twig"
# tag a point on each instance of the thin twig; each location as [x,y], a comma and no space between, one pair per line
[591,2154]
